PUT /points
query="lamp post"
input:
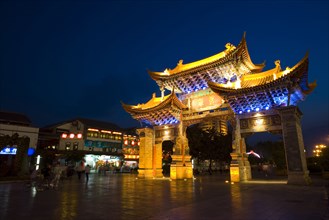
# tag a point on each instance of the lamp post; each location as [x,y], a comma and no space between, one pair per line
[318,150]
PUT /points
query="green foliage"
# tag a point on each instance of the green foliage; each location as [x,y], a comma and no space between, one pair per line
[313,164]
[5,140]
[324,159]
[22,144]
[209,144]
[270,151]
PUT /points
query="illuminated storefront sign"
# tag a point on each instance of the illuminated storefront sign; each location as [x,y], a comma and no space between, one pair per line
[13,151]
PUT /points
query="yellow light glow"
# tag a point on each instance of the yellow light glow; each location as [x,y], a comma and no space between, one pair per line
[238,84]
[318,150]
[258,114]
[72,135]
[92,129]
[259,121]
[105,131]
[64,135]
[235,174]
[79,135]
[114,132]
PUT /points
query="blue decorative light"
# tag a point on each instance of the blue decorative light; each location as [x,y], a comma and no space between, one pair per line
[248,110]
[257,109]
[240,112]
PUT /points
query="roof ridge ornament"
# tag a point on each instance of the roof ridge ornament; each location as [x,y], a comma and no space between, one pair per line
[229,46]
[277,63]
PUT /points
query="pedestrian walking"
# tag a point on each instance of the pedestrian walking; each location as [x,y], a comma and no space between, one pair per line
[87,171]
[57,171]
[47,174]
[80,168]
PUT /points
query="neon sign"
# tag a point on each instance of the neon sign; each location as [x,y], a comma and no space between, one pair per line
[13,151]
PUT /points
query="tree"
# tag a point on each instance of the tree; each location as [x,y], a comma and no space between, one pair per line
[209,145]
[22,144]
[272,152]
[324,159]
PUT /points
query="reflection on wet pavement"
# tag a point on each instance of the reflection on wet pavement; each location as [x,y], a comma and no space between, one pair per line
[124,196]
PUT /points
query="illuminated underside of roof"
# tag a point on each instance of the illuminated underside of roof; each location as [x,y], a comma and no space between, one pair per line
[266,90]
[223,67]
[158,110]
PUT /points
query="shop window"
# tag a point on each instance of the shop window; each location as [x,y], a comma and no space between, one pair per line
[67,145]
[75,146]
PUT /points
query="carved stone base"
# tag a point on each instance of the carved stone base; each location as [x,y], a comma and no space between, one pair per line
[178,171]
[299,178]
[240,168]
[149,173]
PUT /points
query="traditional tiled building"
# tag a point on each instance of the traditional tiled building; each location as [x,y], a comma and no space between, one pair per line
[225,87]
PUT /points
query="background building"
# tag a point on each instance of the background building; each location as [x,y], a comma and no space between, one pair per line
[12,124]
[100,143]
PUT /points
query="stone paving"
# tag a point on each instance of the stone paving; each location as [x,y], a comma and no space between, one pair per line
[124,196]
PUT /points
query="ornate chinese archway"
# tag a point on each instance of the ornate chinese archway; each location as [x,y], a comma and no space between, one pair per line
[227,87]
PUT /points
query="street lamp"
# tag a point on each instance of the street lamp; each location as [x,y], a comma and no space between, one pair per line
[318,149]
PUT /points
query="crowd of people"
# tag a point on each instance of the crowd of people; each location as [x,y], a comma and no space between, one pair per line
[49,177]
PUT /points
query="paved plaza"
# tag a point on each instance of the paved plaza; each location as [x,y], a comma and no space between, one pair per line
[124,196]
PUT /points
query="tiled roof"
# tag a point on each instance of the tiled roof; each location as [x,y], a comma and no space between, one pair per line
[99,124]
[89,123]
[14,118]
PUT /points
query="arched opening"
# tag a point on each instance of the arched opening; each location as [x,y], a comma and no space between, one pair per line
[266,154]
[209,147]
[167,151]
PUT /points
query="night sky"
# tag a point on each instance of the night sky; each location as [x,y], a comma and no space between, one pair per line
[65,59]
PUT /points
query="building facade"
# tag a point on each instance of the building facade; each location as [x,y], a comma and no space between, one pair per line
[19,125]
[101,143]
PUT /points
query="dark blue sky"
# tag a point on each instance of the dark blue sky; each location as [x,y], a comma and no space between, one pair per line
[65,59]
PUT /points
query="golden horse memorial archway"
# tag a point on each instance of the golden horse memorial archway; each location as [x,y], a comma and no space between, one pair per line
[226,87]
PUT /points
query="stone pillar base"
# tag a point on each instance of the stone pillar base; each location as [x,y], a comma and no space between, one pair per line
[145,173]
[299,178]
[240,173]
[240,168]
[158,173]
[234,173]
[178,171]
[245,173]
[149,173]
